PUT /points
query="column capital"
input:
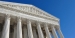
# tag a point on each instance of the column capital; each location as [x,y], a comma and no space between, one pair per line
[7,16]
[52,26]
[28,20]
[18,17]
[45,25]
[38,22]
[58,27]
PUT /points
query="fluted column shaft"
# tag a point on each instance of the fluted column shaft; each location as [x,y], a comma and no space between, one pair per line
[15,32]
[35,33]
[25,34]
[39,31]
[60,33]
[54,32]
[6,27]
[19,28]
[29,27]
[47,31]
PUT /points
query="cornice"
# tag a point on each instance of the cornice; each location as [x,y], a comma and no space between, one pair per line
[29,9]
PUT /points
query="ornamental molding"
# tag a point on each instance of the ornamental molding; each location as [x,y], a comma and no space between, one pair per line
[26,8]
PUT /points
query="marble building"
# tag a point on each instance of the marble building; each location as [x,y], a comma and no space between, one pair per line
[27,21]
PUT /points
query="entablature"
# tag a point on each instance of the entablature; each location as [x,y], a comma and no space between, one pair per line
[29,9]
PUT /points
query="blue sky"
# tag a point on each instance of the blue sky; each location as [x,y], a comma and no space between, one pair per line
[63,9]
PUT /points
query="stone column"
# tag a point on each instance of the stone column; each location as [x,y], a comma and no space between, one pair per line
[60,33]
[15,32]
[29,27]
[19,28]
[34,32]
[25,32]
[39,31]
[6,27]
[47,31]
[54,32]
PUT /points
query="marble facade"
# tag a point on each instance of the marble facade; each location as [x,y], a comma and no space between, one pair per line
[27,21]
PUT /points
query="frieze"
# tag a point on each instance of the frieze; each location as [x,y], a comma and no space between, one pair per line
[30,9]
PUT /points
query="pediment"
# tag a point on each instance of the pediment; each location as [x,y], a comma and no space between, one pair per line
[27,8]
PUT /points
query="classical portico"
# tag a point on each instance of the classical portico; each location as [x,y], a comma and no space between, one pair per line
[27,21]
